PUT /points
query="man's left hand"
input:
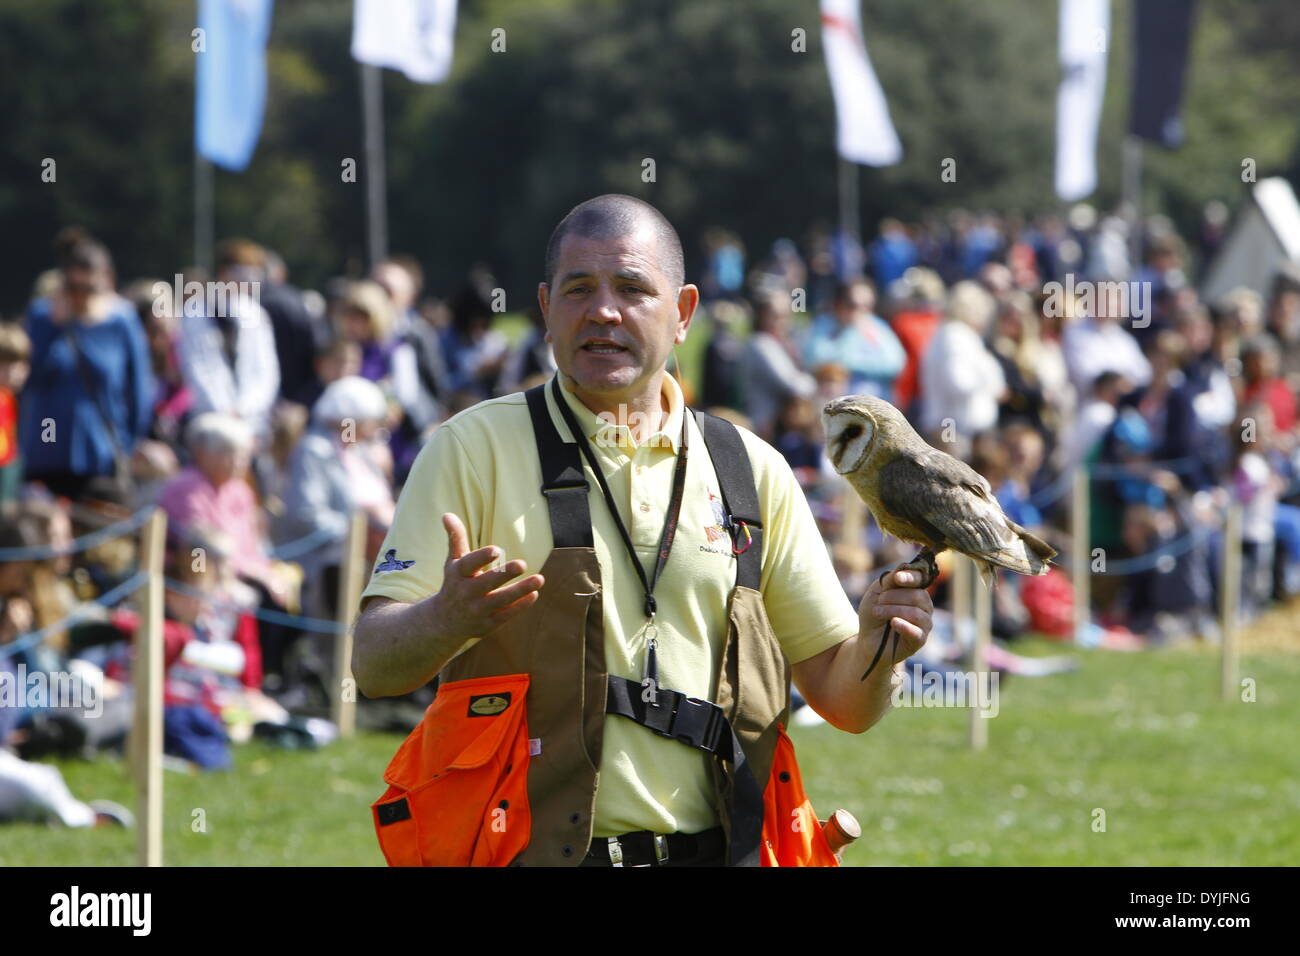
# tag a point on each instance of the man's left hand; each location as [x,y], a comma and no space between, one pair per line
[896,599]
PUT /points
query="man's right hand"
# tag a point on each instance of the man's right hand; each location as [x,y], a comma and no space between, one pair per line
[398,647]
[474,602]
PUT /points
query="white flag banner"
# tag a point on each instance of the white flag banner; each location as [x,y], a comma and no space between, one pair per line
[865,133]
[1084,38]
[414,36]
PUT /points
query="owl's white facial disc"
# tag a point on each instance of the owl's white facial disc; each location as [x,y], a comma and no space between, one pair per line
[847,439]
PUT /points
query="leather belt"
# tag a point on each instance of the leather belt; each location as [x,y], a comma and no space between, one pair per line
[643,848]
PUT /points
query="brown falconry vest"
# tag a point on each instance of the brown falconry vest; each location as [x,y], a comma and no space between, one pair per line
[560,643]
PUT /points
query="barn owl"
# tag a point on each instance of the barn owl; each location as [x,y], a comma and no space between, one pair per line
[920,494]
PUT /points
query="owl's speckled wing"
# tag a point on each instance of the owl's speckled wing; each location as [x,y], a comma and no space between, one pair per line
[947,499]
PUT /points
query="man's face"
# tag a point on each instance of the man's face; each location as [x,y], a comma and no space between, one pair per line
[612,315]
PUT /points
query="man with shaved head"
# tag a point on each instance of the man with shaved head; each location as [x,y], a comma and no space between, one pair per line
[624,703]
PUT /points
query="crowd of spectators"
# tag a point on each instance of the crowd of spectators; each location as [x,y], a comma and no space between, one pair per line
[261,422]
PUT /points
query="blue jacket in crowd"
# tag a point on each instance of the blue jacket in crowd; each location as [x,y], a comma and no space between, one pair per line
[117,360]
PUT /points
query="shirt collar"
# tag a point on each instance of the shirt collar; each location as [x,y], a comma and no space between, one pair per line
[594,427]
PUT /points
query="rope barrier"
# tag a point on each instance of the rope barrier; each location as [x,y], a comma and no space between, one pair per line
[107,599]
[1107,472]
[1146,562]
[284,552]
[84,543]
[264,614]
[1052,492]
[307,543]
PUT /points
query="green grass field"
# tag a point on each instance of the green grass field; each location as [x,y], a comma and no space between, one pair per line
[1184,780]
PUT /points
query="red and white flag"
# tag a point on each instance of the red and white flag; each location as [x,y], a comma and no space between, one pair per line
[865,133]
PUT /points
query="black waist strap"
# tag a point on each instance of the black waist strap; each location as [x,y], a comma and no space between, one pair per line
[703,725]
[639,848]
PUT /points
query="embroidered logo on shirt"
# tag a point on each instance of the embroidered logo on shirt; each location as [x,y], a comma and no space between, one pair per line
[391,563]
[718,530]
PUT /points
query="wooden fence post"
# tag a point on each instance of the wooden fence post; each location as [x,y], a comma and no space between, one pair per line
[979,726]
[1079,569]
[343,697]
[147,683]
[1230,600]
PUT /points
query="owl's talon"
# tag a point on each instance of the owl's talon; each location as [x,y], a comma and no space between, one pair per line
[925,565]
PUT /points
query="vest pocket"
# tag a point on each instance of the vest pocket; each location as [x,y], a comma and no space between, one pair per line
[457,787]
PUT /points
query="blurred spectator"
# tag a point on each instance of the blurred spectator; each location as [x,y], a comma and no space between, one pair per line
[772,373]
[227,346]
[1258,488]
[723,380]
[892,254]
[90,395]
[366,318]
[33,598]
[336,359]
[961,380]
[475,352]
[531,358]
[798,437]
[1203,406]
[1098,343]
[1096,416]
[172,399]
[1260,364]
[1017,348]
[1284,321]
[296,331]
[1024,446]
[854,336]
[724,266]
[980,242]
[784,267]
[914,322]
[214,492]
[337,468]
[15,363]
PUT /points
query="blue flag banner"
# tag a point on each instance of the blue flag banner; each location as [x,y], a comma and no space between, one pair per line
[230,79]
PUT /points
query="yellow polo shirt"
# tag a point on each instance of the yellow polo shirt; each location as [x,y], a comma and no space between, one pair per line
[482,465]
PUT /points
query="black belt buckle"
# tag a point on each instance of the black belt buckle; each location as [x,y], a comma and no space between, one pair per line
[617,856]
[696,723]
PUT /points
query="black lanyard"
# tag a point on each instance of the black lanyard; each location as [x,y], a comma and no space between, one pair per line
[670,521]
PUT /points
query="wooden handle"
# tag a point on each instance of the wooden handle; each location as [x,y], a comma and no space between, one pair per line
[840,830]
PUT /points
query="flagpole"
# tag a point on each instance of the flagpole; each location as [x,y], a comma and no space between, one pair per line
[204,225]
[1132,192]
[848,182]
[372,110]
